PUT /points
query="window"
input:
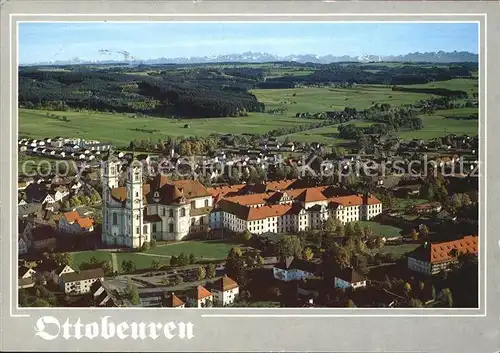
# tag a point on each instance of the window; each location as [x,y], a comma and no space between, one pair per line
[136,194]
[192,222]
[137,176]
[145,229]
[171,213]
[115,219]
[201,220]
[171,228]
[206,203]
[137,229]
[154,227]
[183,212]
[164,212]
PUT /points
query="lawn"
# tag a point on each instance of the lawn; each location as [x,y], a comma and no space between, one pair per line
[141,261]
[402,204]
[381,229]
[398,250]
[200,249]
[118,128]
[85,256]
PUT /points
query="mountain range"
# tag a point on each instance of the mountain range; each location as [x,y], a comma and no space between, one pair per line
[252,57]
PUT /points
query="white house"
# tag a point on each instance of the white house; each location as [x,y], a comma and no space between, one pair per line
[225,291]
[349,278]
[199,297]
[56,274]
[80,282]
[172,301]
[293,269]
[27,277]
[23,245]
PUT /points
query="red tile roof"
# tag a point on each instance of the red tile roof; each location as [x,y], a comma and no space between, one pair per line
[200,292]
[440,252]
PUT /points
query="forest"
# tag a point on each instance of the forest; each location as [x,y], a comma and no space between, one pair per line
[205,91]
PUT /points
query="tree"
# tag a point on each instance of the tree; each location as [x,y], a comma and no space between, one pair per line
[211,271]
[152,243]
[350,231]
[415,303]
[433,293]
[62,259]
[156,264]
[414,234]
[350,304]
[145,246]
[308,254]
[252,259]
[107,267]
[407,288]
[358,231]
[183,260]
[128,266]
[132,293]
[192,258]
[424,230]
[235,265]
[290,245]
[173,261]
[201,273]
[446,297]
[246,236]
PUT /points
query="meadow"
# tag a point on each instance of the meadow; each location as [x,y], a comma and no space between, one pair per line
[321,99]
[119,129]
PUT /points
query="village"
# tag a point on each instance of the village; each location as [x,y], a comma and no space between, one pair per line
[292,225]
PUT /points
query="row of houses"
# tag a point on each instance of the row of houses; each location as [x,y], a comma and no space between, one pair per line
[65,277]
[222,292]
[67,144]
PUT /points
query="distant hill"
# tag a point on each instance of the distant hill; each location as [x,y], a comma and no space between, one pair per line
[250,57]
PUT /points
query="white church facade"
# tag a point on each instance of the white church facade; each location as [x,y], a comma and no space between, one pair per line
[159,208]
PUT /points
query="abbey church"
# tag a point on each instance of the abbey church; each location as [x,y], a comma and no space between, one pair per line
[159,209]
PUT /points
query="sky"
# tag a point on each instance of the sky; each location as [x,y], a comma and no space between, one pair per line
[41,42]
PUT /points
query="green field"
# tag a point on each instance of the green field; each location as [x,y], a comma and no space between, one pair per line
[437,125]
[200,249]
[314,100]
[461,84]
[325,134]
[381,229]
[117,128]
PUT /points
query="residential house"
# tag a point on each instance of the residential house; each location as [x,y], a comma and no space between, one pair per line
[43,237]
[294,269]
[225,290]
[349,278]
[102,296]
[55,274]
[199,297]
[80,282]
[27,277]
[72,222]
[432,258]
[28,209]
[170,300]
[433,207]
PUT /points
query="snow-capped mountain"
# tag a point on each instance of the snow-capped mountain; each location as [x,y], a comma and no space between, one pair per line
[252,57]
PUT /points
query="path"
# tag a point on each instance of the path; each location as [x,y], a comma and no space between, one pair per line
[169,256]
[114,262]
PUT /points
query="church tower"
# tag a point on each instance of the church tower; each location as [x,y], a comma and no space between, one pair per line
[134,206]
[109,176]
